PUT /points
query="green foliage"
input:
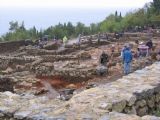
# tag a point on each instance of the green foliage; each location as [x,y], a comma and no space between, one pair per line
[148,15]
[156,6]
[94,28]
[156,113]
[111,24]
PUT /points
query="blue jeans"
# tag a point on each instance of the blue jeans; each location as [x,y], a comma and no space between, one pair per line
[127,68]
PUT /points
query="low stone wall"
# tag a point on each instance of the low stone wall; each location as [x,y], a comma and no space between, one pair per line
[52,58]
[31,50]
[69,74]
[10,46]
[8,61]
[135,94]
[111,35]
[6,84]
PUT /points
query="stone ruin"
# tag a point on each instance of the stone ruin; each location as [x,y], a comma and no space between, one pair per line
[60,83]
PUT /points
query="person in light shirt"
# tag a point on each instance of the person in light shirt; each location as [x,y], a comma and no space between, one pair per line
[143,49]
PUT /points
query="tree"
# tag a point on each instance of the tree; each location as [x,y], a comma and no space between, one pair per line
[13,26]
[120,15]
[22,26]
[94,28]
[70,29]
[33,33]
[156,5]
[116,14]
[148,15]
[80,28]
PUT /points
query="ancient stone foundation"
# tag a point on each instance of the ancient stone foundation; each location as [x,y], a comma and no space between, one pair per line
[132,97]
[10,46]
[6,84]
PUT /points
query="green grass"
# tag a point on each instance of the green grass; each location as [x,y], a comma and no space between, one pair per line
[156,113]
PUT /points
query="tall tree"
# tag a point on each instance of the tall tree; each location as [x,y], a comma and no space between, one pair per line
[70,29]
[13,26]
[22,27]
[120,15]
[156,4]
[116,14]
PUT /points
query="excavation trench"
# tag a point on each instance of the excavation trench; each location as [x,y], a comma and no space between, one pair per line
[58,82]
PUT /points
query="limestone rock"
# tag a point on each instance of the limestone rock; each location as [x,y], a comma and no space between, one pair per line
[142,111]
[140,103]
[157,98]
[151,102]
[84,55]
[130,110]
[20,68]
[105,106]
[119,106]
[21,115]
[51,46]
[7,71]
[101,70]
[120,116]
[147,117]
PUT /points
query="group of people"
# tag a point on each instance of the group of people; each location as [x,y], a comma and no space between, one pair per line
[143,50]
[126,55]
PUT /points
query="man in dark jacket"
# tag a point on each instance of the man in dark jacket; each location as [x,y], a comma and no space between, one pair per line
[149,44]
[104,58]
[102,67]
[127,59]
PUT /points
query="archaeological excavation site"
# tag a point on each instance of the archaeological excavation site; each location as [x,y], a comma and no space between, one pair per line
[64,82]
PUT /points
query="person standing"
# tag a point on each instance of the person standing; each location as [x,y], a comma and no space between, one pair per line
[127,59]
[99,37]
[123,49]
[65,40]
[143,49]
[104,58]
[79,40]
[102,68]
[150,45]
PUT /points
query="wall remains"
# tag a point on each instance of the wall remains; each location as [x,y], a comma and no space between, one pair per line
[10,46]
[135,94]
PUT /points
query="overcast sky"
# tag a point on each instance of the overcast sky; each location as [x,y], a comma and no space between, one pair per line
[72,3]
[44,13]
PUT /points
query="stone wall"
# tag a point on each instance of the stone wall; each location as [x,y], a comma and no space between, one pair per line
[69,74]
[126,35]
[6,84]
[135,94]
[8,61]
[10,46]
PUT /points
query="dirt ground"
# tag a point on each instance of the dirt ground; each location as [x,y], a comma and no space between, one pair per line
[36,85]
[115,72]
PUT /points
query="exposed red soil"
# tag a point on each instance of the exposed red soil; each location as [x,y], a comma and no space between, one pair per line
[58,82]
